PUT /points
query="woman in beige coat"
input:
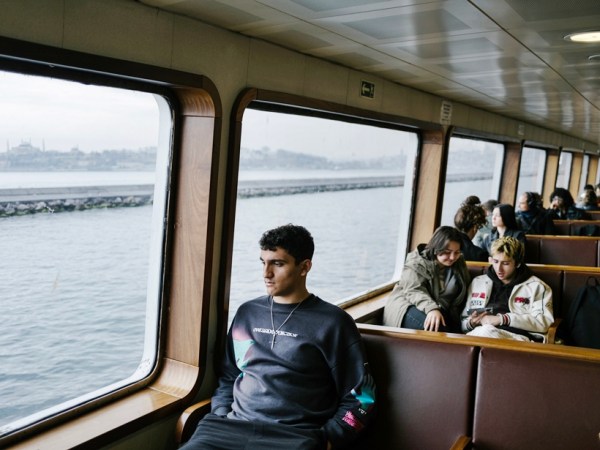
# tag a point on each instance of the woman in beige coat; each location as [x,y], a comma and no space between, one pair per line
[432,289]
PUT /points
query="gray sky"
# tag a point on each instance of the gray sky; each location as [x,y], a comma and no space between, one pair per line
[60,115]
[329,138]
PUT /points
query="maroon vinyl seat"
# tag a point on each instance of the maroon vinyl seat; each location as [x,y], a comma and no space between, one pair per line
[535,402]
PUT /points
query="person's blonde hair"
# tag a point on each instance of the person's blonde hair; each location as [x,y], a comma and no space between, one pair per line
[511,247]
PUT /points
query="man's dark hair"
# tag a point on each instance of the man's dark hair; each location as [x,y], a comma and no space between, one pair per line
[565,195]
[294,239]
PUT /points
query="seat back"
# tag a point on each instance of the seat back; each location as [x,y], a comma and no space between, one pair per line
[575,251]
[424,392]
[532,249]
[527,400]
[563,227]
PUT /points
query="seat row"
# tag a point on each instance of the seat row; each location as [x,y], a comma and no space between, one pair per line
[563,250]
[450,391]
[437,390]
[578,227]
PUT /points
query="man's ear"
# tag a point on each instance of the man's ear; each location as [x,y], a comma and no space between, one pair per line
[306,266]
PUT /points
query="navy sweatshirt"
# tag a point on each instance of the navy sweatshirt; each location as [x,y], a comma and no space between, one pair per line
[314,376]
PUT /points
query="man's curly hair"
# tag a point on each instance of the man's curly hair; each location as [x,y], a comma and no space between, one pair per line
[294,239]
[468,216]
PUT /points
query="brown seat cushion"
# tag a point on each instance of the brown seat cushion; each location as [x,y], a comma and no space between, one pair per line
[424,393]
[534,401]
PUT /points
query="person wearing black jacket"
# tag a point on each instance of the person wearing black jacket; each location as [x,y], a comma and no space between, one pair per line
[532,218]
[563,206]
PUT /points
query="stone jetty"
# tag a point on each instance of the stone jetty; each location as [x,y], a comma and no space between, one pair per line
[265,188]
[34,200]
[15,202]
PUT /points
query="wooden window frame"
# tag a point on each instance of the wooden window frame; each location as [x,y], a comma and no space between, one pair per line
[189,249]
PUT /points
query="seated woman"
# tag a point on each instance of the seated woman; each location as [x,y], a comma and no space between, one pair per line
[588,201]
[508,301]
[432,288]
[468,219]
[504,224]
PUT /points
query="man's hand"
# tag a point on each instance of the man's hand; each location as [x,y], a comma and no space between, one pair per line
[491,320]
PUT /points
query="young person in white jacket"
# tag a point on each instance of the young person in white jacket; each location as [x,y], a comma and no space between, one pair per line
[508,301]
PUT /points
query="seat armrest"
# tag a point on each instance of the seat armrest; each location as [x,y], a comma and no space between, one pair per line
[462,443]
[551,336]
[188,420]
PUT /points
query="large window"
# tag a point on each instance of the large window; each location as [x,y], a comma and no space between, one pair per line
[83,182]
[564,170]
[474,168]
[345,182]
[531,175]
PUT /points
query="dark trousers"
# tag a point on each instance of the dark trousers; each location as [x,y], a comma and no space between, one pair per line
[220,433]
[415,320]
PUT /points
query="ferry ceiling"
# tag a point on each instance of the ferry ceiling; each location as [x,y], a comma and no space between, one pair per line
[506,56]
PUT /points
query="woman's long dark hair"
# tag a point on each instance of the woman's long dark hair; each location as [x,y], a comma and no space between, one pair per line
[507,212]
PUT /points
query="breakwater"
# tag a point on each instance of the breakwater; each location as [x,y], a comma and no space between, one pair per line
[264,188]
[21,201]
[15,202]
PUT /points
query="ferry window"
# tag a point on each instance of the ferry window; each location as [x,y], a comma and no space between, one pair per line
[531,174]
[82,206]
[343,181]
[564,170]
[474,168]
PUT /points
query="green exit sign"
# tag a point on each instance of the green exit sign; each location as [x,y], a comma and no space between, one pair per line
[367,89]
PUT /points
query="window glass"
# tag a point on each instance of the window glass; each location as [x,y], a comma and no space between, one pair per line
[82,201]
[343,181]
[531,174]
[474,168]
[564,170]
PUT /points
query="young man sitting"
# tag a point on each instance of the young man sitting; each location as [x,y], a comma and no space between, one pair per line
[295,374]
[508,301]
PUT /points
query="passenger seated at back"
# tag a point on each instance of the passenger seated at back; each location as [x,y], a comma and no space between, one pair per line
[508,301]
[563,206]
[597,192]
[488,207]
[505,224]
[588,200]
[433,286]
[532,218]
[468,219]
